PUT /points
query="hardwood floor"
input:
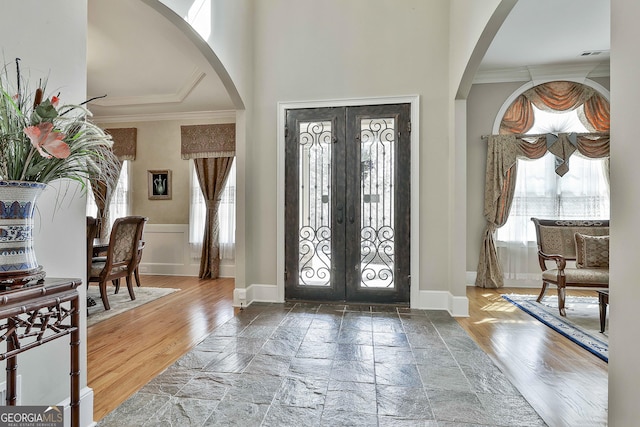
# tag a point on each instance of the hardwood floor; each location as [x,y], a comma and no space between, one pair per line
[128,350]
[564,383]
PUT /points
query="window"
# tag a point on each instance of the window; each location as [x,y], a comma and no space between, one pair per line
[226,216]
[581,193]
[120,201]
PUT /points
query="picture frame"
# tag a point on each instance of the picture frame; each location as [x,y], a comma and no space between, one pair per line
[159,184]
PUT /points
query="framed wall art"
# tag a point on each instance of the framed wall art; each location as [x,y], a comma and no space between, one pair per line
[159,185]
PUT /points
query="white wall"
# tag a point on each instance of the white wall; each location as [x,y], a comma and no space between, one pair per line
[624,347]
[52,42]
[468,21]
[482,107]
[343,50]
[337,53]
[232,40]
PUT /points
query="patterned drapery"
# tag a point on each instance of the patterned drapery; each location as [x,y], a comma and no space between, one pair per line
[504,149]
[124,148]
[208,141]
[212,176]
[124,142]
[212,147]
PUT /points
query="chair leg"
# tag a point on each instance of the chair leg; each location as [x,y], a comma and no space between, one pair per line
[561,298]
[603,300]
[116,283]
[544,289]
[130,287]
[103,295]
[137,276]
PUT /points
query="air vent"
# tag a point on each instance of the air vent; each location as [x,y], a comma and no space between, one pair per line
[593,52]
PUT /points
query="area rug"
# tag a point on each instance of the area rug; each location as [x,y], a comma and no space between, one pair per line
[581,324]
[121,301]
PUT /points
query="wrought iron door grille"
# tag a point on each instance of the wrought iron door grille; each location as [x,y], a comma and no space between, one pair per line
[315,140]
[377,153]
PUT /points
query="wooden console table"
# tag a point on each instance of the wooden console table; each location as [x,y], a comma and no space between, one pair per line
[34,315]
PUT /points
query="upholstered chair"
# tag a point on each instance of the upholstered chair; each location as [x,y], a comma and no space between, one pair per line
[122,256]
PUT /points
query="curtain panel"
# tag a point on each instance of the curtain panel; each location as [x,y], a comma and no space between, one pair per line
[502,154]
[505,148]
[212,147]
[124,148]
[212,174]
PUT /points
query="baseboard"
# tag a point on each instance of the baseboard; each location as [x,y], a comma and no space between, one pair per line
[442,300]
[226,270]
[458,306]
[255,293]
[427,300]
[86,409]
[527,281]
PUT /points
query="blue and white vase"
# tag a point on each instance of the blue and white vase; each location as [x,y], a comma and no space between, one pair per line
[18,263]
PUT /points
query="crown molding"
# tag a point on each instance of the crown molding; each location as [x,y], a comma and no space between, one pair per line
[544,73]
[168,98]
[229,116]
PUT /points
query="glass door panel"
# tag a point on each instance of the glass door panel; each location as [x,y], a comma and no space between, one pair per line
[314,235]
[377,159]
[347,204]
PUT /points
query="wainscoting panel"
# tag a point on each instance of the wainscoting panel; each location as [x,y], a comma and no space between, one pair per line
[167,252]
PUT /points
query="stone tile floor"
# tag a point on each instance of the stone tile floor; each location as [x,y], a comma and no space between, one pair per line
[298,364]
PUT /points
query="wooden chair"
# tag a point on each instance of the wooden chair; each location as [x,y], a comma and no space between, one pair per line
[557,243]
[122,256]
[136,272]
[93,229]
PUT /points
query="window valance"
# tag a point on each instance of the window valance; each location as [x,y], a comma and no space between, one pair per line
[504,150]
[594,145]
[208,141]
[124,142]
[557,96]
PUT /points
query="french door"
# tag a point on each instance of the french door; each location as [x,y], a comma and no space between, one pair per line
[347,203]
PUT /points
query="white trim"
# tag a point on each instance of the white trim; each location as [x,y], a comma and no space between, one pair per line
[226,115]
[240,297]
[507,103]
[185,89]
[458,306]
[442,300]
[156,260]
[86,408]
[531,281]
[471,278]
[555,72]
[414,100]
[256,293]
[426,300]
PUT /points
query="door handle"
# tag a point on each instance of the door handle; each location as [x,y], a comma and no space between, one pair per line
[351,214]
[340,214]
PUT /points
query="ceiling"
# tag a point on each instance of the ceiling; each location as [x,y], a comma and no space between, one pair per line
[548,38]
[148,69]
[145,66]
